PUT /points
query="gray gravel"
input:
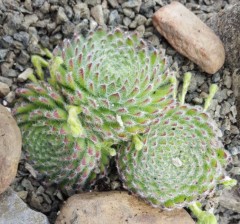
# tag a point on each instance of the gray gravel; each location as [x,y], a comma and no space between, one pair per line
[27,25]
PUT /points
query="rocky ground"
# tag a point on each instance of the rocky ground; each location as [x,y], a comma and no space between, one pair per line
[27,25]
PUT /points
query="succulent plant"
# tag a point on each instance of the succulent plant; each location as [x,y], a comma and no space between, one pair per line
[50,132]
[113,89]
[102,89]
[117,81]
[182,159]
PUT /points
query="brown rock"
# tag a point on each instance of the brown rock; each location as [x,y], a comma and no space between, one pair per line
[190,36]
[10,148]
[118,208]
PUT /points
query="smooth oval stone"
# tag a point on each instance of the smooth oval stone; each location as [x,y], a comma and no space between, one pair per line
[10,148]
[116,207]
[190,36]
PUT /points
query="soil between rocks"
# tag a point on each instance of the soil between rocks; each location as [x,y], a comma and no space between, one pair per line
[27,25]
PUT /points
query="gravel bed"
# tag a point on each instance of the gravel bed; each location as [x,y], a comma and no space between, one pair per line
[27,25]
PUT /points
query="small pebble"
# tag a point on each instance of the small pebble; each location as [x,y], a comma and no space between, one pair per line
[133,4]
[81,11]
[6,41]
[27,184]
[59,195]
[115,185]
[22,194]
[10,97]
[37,3]
[24,75]
[126,21]
[93,24]
[4,103]
[45,8]
[147,8]
[11,73]
[216,77]
[129,13]
[140,31]
[97,14]
[92,2]
[140,19]
[3,53]
[23,57]
[29,20]
[114,18]
[47,198]
[68,29]
[61,16]
[113,3]
[23,37]
[6,81]
[234,130]
[4,89]
[227,81]
[40,190]
[198,100]
[28,5]
[35,201]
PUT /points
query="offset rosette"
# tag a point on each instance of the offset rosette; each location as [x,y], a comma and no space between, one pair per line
[119,83]
[181,161]
[53,139]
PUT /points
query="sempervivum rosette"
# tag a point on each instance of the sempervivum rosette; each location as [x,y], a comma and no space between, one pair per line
[117,81]
[53,139]
[182,159]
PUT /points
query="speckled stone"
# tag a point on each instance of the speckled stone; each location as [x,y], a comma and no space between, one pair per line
[118,208]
